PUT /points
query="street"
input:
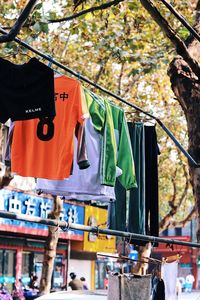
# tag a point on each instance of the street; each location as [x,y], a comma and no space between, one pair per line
[195,295]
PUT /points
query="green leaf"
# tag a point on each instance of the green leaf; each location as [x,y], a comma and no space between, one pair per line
[37,27]
[44,27]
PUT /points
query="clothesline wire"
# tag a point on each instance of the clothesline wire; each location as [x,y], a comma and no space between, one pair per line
[81,77]
[94,229]
[122,257]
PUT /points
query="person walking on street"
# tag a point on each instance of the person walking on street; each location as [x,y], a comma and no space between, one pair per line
[189,282]
[75,283]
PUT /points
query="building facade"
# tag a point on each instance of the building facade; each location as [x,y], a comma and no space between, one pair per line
[22,243]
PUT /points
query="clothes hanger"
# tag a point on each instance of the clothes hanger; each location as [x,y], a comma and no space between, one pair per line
[57,73]
[171,258]
[139,117]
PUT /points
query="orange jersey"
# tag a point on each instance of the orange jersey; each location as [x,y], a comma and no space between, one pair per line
[50,159]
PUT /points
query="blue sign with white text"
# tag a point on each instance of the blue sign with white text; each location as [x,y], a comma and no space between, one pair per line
[34,205]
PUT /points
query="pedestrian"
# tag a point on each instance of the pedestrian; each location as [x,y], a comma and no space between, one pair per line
[75,283]
[31,292]
[158,286]
[85,287]
[34,283]
[189,280]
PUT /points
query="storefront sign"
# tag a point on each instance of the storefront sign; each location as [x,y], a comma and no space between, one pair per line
[97,243]
[34,205]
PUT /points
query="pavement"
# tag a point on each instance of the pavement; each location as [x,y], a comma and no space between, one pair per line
[194,295]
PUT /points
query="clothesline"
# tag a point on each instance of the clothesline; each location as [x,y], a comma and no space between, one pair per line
[67,226]
[81,77]
[122,257]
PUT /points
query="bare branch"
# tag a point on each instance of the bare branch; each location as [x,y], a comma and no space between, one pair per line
[185,221]
[192,44]
[172,202]
[198,6]
[166,221]
[101,69]
[19,23]
[120,78]
[184,193]
[83,12]
[171,34]
[167,218]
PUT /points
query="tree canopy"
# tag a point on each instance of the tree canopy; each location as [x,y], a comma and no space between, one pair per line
[120,47]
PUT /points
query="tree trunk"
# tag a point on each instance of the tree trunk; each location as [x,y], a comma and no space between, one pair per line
[184,72]
[186,87]
[50,249]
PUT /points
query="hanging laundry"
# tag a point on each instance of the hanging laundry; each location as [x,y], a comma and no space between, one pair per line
[131,203]
[169,273]
[151,182]
[117,211]
[86,184]
[129,287]
[32,157]
[136,217]
[103,123]
[27,90]
[158,292]
[124,151]
[141,204]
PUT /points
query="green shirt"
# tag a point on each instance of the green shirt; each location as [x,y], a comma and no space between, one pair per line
[110,121]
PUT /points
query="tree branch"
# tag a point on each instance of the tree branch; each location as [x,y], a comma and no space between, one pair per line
[19,23]
[186,186]
[166,221]
[185,221]
[101,69]
[192,44]
[171,34]
[120,78]
[83,12]
[172,202]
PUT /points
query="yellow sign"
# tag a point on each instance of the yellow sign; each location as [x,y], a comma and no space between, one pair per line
[95,216]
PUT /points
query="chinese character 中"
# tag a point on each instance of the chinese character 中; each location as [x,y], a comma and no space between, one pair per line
[63,96]
[15,205]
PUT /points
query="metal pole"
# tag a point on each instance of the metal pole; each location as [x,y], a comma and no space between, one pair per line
[97,230]
[168,132]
